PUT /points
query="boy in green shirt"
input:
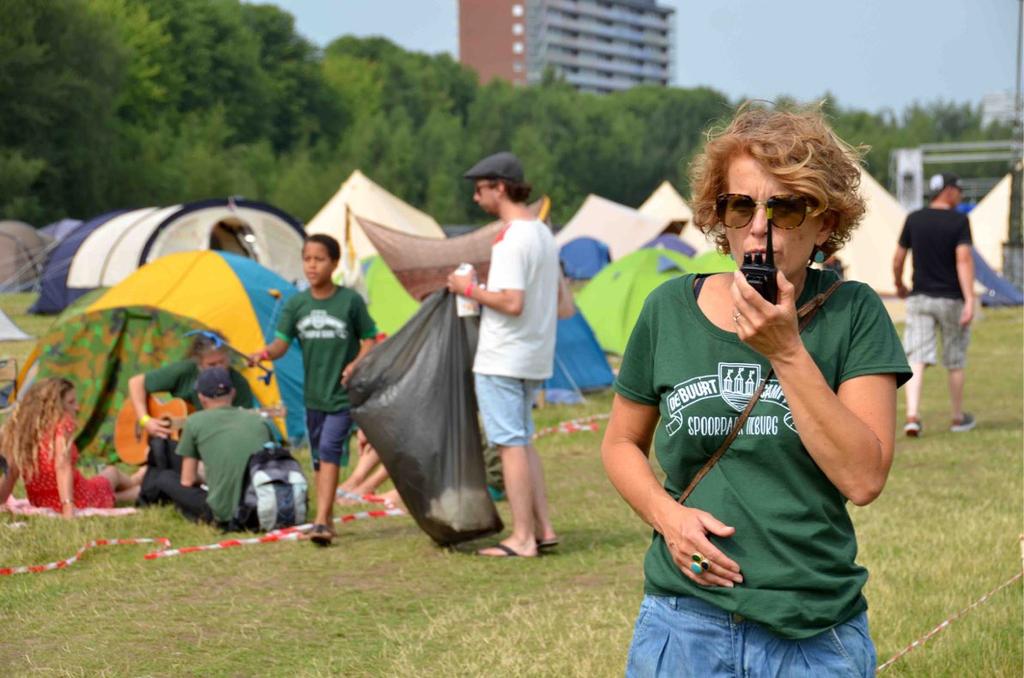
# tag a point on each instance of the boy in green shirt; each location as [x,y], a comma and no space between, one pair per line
[335,331]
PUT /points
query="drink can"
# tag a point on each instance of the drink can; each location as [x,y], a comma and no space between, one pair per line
[464,306]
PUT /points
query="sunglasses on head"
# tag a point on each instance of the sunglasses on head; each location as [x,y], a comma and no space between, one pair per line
[212,336]
[735,210]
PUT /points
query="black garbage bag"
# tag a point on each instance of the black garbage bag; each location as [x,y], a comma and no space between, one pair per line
[413,397]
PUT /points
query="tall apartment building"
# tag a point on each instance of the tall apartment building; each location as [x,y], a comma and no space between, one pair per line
[595,45]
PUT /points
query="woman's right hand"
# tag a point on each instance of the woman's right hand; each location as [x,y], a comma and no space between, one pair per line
[686,532]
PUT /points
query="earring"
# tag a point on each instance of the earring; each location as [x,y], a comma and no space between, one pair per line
[819,256]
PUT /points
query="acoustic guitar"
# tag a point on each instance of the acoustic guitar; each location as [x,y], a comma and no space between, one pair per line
[131,441]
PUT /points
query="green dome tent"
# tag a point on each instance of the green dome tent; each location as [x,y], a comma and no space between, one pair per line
[611,302]
[388,302]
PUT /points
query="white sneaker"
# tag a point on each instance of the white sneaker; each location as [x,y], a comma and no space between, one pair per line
[966,423]
[912,428]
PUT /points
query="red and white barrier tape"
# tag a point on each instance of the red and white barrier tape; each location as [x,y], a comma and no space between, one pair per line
[928,636]
[365,498]
[573,426]
[285,534]
[67,562]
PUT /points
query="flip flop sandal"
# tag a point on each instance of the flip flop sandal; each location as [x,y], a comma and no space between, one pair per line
[548,543]
[508,551]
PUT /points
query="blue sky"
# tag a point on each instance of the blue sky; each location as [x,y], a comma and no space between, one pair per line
[870,54]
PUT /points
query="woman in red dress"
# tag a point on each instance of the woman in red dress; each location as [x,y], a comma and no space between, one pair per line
[38,442]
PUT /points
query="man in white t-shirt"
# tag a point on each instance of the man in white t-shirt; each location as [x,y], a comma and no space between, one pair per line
[524,296]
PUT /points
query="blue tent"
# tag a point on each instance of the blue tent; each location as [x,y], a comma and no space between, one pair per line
[54,293]
[59,230]
[583,258]
[672,242]
[580,364]
[998,290]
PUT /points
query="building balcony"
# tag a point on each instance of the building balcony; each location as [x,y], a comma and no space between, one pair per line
[611,48]
[618,14]
[588,28]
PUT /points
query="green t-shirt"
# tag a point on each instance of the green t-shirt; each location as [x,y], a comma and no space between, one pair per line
[329,331]
[179,379]
[224,439]
[794,540]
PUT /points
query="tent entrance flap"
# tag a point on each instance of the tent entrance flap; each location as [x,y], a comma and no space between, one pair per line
[235,236]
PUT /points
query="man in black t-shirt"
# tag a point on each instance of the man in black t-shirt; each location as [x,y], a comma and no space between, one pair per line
[942,297]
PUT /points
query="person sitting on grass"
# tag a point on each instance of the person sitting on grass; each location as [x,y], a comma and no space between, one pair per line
[38,443]
[224,437]
[368,475]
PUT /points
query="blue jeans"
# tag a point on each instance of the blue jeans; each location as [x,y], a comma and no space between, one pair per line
[686,636]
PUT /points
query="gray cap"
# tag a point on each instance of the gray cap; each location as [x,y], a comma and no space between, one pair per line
[503,165]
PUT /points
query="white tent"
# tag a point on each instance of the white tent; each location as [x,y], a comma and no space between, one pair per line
[990,223]
[622,228]
[119,246]
[361,197]
[666,203]
[868,255]
[9,331]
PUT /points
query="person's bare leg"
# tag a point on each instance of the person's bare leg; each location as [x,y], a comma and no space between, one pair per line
[515,466]
[367,460]
[542,520]
[956,393]
[326,483]
[124,487]
[913,389]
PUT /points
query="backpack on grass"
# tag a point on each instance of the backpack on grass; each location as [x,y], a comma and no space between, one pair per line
[274,494]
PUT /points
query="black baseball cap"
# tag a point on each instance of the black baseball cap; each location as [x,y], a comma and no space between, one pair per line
[214,382]
[940,182]
[503,165]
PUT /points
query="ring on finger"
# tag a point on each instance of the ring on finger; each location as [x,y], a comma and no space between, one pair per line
[700,564]
[736,317]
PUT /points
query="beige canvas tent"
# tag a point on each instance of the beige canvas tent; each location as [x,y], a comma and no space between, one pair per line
[868,255]
[622,228]
[361,197]
[666,203]
[990,223]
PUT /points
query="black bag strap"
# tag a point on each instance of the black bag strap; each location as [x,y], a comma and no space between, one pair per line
[805,313]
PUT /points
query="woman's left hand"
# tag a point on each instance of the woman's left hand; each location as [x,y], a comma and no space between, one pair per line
[770,329]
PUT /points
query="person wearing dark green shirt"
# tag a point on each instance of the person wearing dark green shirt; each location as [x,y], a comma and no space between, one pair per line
[208,349]
[221,436]
[334,330]
[755,572]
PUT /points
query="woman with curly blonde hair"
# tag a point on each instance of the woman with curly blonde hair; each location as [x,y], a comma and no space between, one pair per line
[38,443]
[766,419]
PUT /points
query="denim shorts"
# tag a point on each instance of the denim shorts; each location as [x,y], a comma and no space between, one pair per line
[506,404]
[328,436]
[685,636]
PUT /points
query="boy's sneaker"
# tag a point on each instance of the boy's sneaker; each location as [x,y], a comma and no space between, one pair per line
[321,535]
[912,428]
[966,423]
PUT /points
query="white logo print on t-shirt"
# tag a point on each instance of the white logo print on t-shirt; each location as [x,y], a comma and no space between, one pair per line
[320,324]
[734,383]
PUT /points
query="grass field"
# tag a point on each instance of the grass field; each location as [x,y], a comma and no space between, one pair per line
[386,601]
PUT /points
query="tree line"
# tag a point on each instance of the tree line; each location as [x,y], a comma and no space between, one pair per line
[106,104]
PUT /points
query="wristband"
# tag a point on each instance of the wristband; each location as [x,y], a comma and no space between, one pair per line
[469,291]
[144,419]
